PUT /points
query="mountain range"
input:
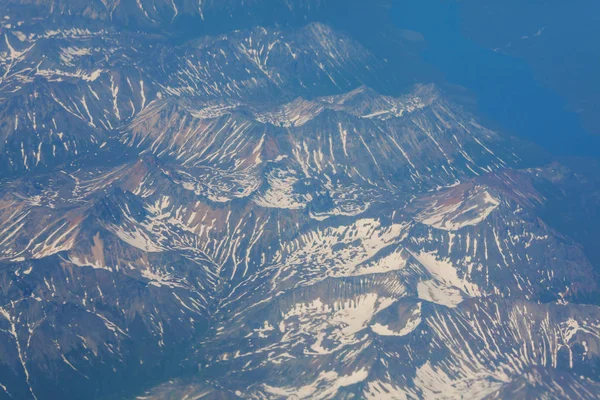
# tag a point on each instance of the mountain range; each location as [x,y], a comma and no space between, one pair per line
[258,206]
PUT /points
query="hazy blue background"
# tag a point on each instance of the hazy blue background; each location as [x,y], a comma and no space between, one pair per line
[530,64]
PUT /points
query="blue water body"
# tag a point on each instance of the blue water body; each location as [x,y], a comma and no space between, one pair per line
[505,87]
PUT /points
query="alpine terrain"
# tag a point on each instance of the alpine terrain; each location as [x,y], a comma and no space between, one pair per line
[251,200]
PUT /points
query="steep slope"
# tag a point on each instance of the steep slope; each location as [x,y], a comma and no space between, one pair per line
[65,93]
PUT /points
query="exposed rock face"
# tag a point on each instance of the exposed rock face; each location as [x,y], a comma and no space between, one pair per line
[241,216]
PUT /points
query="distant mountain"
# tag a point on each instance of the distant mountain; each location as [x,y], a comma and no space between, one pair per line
[242,215]
[152,14]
